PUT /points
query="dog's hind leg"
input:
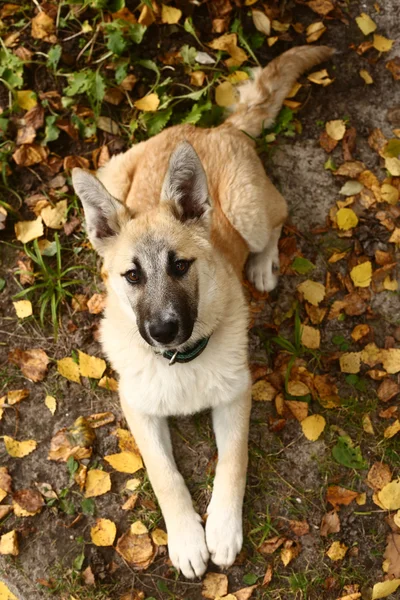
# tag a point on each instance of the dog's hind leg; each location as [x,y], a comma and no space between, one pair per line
[224,533]
[262,268]
[186,539]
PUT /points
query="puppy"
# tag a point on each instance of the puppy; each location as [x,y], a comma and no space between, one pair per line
[176,219]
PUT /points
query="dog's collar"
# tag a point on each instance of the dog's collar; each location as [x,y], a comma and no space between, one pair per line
[187,356]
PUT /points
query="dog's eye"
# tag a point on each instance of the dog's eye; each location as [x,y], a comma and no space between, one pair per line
[132,276]
[181,266]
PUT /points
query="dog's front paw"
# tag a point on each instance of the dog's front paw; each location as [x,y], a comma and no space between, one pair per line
[187,546]
[262,271]
[224,534]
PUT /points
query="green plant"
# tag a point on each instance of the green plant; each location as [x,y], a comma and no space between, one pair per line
[52,282]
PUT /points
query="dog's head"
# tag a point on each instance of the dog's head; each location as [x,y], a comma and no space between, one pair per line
[160,262]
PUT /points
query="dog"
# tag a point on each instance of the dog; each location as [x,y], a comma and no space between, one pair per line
[176,219]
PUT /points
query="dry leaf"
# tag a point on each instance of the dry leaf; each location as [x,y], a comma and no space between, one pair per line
[389,495]
[75,441]
[268,576]
[103,532]
[297,388]
[43,28]
[125,462]
[392,555]
[29,500]
[330,523]
[51,404]
[387,390]
[350,362]
[132,484]
[33,363]
[96,304]
[337,495]
[225,94]
[346,219]
[18,449]
[23,308]
[30,154]
[384,589]
[314,32]
[97,483]
[312,291]
[269,546]
[337,551]
[26,231]
[367,425]
[100,419]
[310,337]
[313,426]
[148,103]
[55,217]
[298,409]
[394,67]
[392,430]
[214,585]
[392,164]
[170,15]
[26,99]
[336,129]
[381,43]
[289,551]
[126,441]
[15,396]
[5,480]
[366,24]
[243,594]
[263,391]
[391,360]
[68,368]
[299,528]
[159,537]
[91,366]
[261,22]
[366,76]
[360,331]
[320,78]
[9,543]
[136,548]
[108,383]
[88,576]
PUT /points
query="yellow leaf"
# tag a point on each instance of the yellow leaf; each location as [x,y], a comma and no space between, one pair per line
[361,499]
[389,193]
[390,284]
[68,369]
[91,366]
[5,593]
[23,308]
[159,537]
[214,585]
[320,78]
[362,274]
[21,512]
[26,231]
[3,494]
[367,424]
[9,543]
[51,404]
[312,291]
[392,429]
[366,24]
[132,484]
[261,22]
[313,426]
[138,528]
[296,87]
[346,218]
[272,40]
[126,441]
[125,462]
[170,15]
[381,43]
[314,32]
[392,164]
[197,78]
[15,396]
[148,103]
[384,589]
[97,483]
[103,533]
[310,337]
[297,388]
[337,551]
[391,360]
[389,495]
[26,99]
[336,129]
[263,391]
[108,383]
[55,217]
[350,362]
[366,76]
[18,449]
[43,27]
[237,77]
[225,94]
[395,237]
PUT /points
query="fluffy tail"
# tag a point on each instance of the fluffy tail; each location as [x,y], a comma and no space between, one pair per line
[261,98]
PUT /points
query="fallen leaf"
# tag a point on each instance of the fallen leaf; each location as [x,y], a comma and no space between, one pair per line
[394,67]
[337,495]
[103,532]
[97,483]
[381,43]
[261,21]
[30,154]
[23,308]
[387,390]
[15,396]
[392,430]
[310,337]
[243,594]
[214,585]
[268,576]
[148,103]
[91,366]
[327,391]
[170,15]
[29,500]
[96,304]
[350,362]
[55,216]
[392,555]
[312,291]
[263,391]
[299,528]
[26,231]
[68,368]
[51,404]
[5,593]
[395,237]
[336,129]
[9,543]
[389,495]
[298,409]
[130,503]
[351,188]
[384,589]
[320,78]
[360,331]
[100,419]
[26,99]
[313,426]
[290,551]
[132,484]
[159,537]
[43,28]
[366,76]
[366,24]
[74,441]
[126,441]
[330,523]
[108,383]
[5,510]
[269,546]
[297,388]
[346,219]
[367,425]
[362,274]
[136,548]
[125,462]
[18,449]
[392,164]
[225,94]
[88,576]
[5,480]
[337,551]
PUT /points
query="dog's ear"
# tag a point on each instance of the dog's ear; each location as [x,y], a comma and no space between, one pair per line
[185,185]
[104,214]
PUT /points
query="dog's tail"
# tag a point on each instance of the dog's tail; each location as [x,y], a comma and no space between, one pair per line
[261,98]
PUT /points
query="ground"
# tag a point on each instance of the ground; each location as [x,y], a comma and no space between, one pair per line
[291,478]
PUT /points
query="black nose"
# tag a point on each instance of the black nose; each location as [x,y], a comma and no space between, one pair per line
[164,332]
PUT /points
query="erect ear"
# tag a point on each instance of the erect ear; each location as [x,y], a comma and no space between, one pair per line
[104,214]
[185,185]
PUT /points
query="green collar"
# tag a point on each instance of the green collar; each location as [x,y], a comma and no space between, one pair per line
[189,355]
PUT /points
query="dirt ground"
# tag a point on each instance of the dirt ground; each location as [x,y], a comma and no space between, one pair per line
[288,474]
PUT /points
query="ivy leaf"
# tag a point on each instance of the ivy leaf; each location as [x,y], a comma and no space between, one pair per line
[53,57]
[302,265]
[347,455]
[155,122]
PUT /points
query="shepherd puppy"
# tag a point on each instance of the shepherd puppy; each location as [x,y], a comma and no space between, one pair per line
[176,219]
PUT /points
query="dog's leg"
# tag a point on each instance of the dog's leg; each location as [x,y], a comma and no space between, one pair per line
[186,540]
[263,267]
[224,533]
